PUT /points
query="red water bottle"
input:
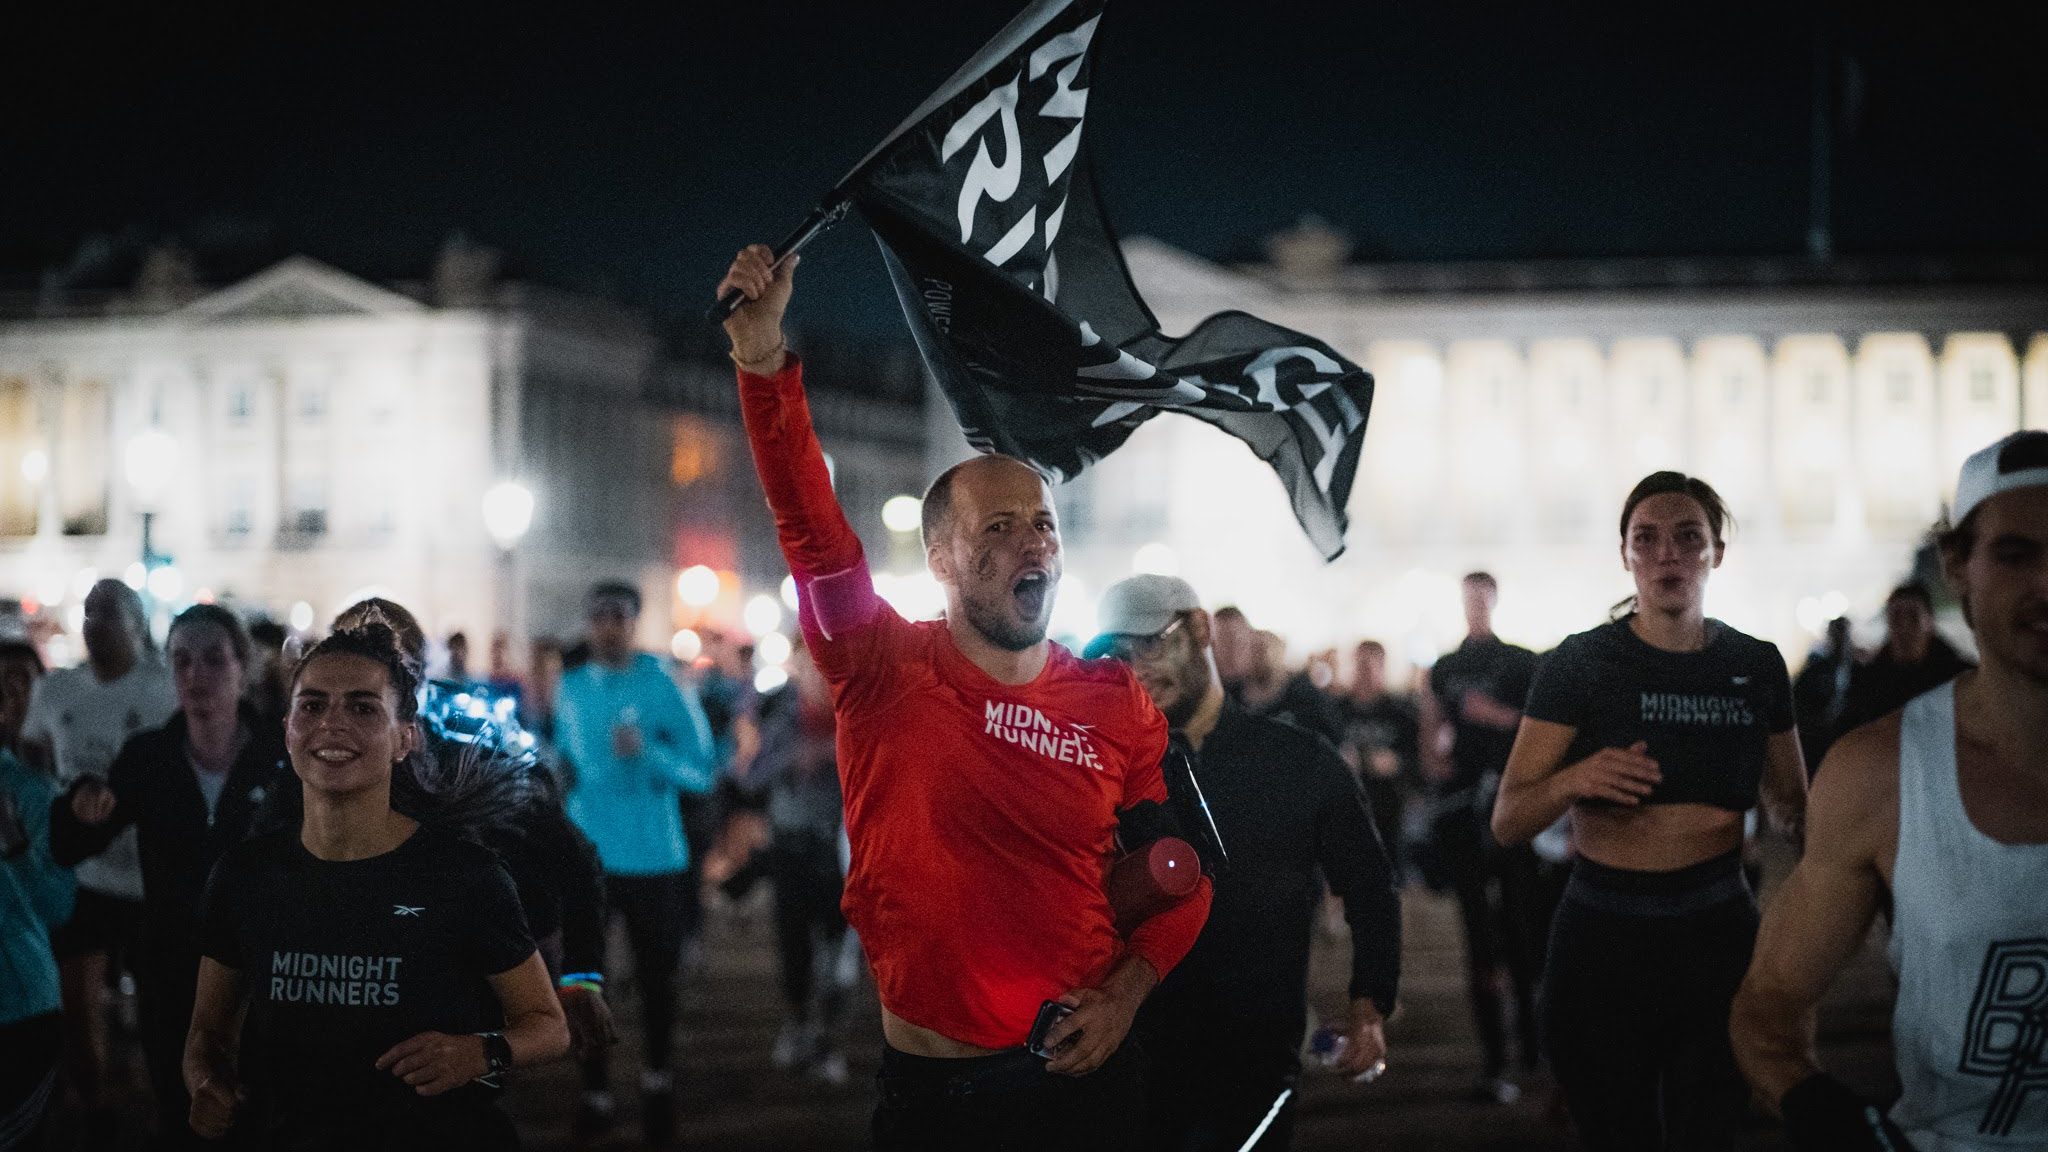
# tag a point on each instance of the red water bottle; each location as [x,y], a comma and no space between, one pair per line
[1152,879]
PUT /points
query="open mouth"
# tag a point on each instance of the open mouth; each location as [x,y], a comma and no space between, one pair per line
[333,755]
[1030,592]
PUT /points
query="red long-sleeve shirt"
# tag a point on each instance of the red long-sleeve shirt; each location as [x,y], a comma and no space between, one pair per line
[981,814]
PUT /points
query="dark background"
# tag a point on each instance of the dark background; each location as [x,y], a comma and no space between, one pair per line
[630,151]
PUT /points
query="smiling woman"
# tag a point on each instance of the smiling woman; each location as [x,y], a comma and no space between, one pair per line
[385,964]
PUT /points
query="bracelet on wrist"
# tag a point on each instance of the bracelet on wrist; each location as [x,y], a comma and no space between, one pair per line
[743,361]
[595,979]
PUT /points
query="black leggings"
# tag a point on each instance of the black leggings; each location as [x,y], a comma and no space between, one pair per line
[653,910]
[29,1051]
[1501,952]
[808,925]
[1643,967]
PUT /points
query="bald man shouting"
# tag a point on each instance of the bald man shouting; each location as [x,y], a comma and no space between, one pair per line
[984,770]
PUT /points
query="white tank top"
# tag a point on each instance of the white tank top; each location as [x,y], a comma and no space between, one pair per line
[1970,944]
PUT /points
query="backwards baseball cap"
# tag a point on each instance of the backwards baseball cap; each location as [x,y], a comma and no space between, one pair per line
[2018,461]
[1143,605]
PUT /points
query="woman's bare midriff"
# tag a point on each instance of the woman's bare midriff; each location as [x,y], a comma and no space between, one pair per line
[906,1037]
[1655,837]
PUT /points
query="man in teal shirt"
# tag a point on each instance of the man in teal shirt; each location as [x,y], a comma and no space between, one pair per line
[633,741]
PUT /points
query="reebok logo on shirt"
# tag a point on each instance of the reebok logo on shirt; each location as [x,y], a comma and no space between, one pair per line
[407,910]
[353,981]
[1027,727]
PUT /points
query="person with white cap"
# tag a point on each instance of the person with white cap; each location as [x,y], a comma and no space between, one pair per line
[1224,1029]
[1940,812]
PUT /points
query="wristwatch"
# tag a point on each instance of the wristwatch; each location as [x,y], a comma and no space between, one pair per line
[497,1052]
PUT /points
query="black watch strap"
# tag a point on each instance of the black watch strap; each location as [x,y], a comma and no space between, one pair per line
[497,1052]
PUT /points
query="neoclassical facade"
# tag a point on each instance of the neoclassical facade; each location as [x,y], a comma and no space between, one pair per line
[304,437]
[1517,404]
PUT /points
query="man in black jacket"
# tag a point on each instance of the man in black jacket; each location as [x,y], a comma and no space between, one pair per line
[1223,1030]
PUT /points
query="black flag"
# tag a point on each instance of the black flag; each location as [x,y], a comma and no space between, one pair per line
[1021,305]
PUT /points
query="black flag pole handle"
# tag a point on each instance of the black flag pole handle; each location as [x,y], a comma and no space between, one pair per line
[825,215]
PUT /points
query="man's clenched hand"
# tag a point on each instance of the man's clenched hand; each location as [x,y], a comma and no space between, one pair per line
[755,327]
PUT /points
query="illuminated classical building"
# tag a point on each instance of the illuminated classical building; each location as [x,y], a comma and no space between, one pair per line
[303,437]
[1518,403]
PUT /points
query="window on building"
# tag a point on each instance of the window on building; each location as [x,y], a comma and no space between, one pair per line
[1898,386]
[23,463]
[1983,384]
[84,432]
[1653,390]
[1574,392]
[241,405]
[306,511]
[1732,386]
[313,403]
[241,498]
[1817,387]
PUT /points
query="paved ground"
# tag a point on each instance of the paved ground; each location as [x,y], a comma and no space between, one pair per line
[731,1098]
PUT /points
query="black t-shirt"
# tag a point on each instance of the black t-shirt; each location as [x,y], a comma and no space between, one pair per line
[1706,715]
[1388,723]
[1496,669]
[1303,705]
[342,960]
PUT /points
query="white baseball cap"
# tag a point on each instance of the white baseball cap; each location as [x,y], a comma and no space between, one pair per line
[1142,605]
[2018,461]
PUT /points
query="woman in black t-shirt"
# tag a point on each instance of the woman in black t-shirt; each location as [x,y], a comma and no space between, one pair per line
[1658,731]
[385,964]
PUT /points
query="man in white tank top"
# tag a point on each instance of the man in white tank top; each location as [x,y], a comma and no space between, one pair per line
[1943,806]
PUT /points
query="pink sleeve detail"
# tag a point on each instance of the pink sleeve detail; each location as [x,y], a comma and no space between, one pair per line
[841,601]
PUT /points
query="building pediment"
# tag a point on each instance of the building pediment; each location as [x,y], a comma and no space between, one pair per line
[298,288]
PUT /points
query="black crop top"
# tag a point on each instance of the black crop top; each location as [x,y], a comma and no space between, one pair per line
[1705,714]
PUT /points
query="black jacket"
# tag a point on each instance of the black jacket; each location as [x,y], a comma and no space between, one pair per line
[1289,814]
[157,793]
[1883,684]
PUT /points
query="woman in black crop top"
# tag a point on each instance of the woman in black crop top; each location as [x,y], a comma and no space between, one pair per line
[1658,732]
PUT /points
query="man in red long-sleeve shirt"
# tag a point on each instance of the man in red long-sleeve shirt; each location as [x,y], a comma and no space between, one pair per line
[984,769]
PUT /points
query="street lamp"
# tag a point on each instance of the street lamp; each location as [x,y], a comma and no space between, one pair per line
[508,513]
[150,462]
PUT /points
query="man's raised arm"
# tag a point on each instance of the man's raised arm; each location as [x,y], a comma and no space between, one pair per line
[816,539]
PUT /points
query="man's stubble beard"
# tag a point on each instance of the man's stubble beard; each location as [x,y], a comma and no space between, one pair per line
[997,628]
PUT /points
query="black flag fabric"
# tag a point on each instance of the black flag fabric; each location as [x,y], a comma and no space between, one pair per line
[1020,303]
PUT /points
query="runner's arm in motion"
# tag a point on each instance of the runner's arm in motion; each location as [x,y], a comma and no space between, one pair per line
[209,1063]
[1538,786]
[1819,916]
[1785,783]
[436,1062]
[1356,865]
[680,749]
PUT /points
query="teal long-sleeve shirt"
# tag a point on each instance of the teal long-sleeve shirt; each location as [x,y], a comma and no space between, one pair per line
[628,807]
[35,897]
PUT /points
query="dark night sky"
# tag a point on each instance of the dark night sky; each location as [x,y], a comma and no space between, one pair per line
[631,151]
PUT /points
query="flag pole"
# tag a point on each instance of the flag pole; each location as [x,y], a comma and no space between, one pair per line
[830,211]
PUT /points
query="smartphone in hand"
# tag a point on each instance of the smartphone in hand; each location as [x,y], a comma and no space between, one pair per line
[1049,1013]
